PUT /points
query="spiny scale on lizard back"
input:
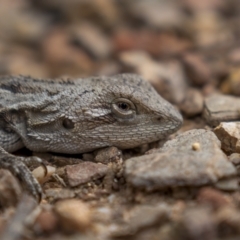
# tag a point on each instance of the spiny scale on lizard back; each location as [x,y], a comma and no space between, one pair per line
[81,115]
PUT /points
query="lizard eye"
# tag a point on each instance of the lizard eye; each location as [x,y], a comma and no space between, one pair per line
[67,123]
[123,108]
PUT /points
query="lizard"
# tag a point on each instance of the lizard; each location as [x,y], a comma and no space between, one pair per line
[79,115]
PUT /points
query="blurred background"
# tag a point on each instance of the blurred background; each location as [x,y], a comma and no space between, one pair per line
[175,44]
[188,50]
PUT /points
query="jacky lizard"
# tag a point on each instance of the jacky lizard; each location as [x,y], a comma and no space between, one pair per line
[76,116]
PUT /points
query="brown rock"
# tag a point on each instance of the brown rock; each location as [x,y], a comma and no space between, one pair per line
[197,70]
[17,23]
[218,108]
[9,188]
[63,58]
[15,59]
[46,222]
[92,40]
[214,198]
[84,172]
[167,78]
[164,44]
[193,102]
[232,84]
[228,219]
[234,55]
[229,135]
[107,155]
[61,161]
[211,5]
[101,11]
[74,215]
[177,164]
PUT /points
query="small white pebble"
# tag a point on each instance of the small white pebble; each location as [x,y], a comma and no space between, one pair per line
[196,146]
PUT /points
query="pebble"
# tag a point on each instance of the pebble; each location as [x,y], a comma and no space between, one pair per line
[164,43]
[86,34]
[213,198]
[46,222]
[232,84]
[84,172]
[196,146]
[158,14]
[229,135]
[235,158]
[208,29]
[135,219]
[197,69]
[177,164]
[11,189]
[228,184]
[107,155]
[193,103]
[73,214]
[64,58]
[198,223]
[219,107]
[168,78]
[227,219]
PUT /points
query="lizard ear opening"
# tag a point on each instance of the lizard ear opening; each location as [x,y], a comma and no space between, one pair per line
[67,123]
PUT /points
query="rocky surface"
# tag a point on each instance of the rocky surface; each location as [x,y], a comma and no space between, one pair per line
[178,164]
[184,187]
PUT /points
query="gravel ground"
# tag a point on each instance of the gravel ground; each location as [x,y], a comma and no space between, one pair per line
[183,188]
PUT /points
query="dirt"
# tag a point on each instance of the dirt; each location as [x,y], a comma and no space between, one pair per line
[183,188]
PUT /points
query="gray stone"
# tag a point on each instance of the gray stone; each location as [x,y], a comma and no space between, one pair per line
[198,223]
[192,103]
[135,219]
[220,108]
[178,164]
[227,184]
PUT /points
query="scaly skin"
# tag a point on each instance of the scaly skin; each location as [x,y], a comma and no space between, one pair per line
[76,116]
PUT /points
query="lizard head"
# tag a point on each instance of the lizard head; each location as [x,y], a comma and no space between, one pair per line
[122,111]
[125,111]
